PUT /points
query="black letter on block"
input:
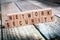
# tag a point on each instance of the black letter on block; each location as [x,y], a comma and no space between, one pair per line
[10,17]
[29,15]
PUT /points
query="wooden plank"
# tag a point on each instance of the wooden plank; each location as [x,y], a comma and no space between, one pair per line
[31,30]
[17,34]
[4,34]
[49,29]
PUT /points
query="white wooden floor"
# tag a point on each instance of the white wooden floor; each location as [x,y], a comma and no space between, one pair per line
[22,33]
[49,29]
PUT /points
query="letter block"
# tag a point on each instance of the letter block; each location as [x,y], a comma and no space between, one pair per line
[36,20]
[8,24]
[35,14]
[15,23]
[51,18]
[31,21]
[41,19]
[24,16]
[30,15]
[10,17]
[22,22]
[47,12]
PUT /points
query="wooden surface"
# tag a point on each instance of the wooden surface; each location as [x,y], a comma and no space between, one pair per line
[22,33]
[55,11]
[26,6]
[9,8]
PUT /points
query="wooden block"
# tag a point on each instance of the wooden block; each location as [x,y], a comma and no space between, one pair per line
[19,16]
[51,18]
[8,24]
[15,23]
[48,19]
[10,17]
[50,12]
[6,21]
[41,13]
[31,21]
[36,14]
[45,19]
[26,21]
[41,19]
[29,15]
[36,20]
[14,17]
[23,16]
[22,22]
[47,12]
[11,24]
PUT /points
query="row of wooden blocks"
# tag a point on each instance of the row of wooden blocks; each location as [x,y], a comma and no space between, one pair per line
[29,17]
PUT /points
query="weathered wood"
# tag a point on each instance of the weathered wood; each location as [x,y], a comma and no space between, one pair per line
[23,32]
